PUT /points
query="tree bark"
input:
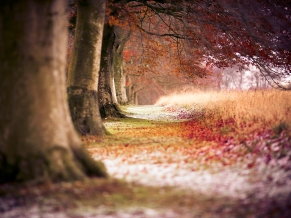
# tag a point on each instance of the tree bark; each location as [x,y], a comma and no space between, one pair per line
[84,68]
[107,94]
[121,36]
[38,142]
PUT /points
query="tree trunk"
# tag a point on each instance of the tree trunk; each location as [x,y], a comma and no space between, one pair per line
[108,107]
[113,89]
[121,37]
[84,68]
[37,139]
[130,93]
[136,98]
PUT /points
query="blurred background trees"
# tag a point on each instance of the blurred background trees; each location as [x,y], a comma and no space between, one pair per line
[172,46]
[206,44]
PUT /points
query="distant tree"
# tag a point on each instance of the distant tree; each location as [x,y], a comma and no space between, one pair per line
[107,90]
[37,138]
[122,36]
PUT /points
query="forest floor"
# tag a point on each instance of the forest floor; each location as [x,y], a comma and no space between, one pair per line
[168,163]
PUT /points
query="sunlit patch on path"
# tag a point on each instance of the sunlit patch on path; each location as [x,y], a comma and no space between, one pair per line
[162,113]
[150,112]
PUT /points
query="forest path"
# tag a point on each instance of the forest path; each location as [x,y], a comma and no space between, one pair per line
[154,155]
[151,148]
[155,152]
[161,168]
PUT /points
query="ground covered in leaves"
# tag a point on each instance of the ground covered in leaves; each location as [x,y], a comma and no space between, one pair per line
[170,162]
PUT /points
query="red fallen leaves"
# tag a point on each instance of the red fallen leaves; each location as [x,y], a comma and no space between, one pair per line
[215,131]
[204,142]
[225,145]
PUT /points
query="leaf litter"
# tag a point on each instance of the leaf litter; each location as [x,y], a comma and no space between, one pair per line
[173,149]
[173,165]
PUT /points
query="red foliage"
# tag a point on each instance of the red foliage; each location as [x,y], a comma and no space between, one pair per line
[127,55]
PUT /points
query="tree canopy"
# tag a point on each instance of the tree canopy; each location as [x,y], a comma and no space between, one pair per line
[218,33]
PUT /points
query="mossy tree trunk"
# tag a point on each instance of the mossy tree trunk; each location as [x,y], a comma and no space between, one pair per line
[84,68]
[107,94]
[121,36]
[38,142]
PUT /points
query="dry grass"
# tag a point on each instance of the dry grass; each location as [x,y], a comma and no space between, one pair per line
[267,108]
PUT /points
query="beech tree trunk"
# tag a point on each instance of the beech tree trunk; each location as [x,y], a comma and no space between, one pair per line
[37,139]
[84,68]
[107,94]
[120,38]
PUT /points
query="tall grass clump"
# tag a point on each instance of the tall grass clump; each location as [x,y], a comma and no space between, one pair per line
[249,109]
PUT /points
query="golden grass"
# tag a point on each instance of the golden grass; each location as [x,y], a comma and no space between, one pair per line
[267,108]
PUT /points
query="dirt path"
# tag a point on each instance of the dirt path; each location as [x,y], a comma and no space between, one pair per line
[154,168]
[151,164]
[150,112]
[156,155]
[165,174]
